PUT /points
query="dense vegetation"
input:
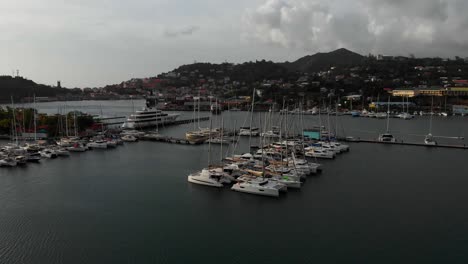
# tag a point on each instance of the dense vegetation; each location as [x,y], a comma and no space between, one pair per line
[18,88]
[52,125]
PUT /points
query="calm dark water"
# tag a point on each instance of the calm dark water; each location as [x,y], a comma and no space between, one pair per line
[376,204]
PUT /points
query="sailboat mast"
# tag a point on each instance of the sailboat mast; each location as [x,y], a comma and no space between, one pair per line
[35,112]
[198,109]
[74,123]
[328,122]
[209,143]
[251,119]
[222,137]
[388,113]
[302,126]
[262,137]
[336,119]
[432,114]
[281,132]
[14,132]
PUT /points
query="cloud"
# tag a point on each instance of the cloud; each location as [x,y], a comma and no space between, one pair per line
[189,30]
[423,27]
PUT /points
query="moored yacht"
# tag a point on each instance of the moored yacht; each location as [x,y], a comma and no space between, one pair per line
[209,177]
[429,140]
[317,152]
[77,147]
[149,116]
[98,144]
[129,138]
[247,131]
[260,187]
[8,162]
[386,137]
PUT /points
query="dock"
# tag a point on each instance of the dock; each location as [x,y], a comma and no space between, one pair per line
[177,122]
[402,143]
[171,140]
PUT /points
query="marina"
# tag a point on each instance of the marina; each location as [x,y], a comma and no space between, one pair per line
[154,178]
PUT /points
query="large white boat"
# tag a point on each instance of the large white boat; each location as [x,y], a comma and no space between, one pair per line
[318,152]
[209,177]
[259,187]
[149,116]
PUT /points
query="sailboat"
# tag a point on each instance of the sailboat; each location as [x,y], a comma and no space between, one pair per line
[255,182]
[202,134]
[429,139]
[213,177]
[387,137]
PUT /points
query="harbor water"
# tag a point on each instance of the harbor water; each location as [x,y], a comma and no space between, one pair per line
[133,204]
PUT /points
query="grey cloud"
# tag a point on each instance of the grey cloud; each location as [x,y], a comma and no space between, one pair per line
[172,33]
[423,27]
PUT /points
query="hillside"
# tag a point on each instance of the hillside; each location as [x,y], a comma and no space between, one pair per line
[323,61]
[19,87]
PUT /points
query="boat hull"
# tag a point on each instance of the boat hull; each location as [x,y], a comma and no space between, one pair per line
[238,187]
[194,179]
[159,121]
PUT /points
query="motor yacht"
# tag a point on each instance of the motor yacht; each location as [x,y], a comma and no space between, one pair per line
[149,116]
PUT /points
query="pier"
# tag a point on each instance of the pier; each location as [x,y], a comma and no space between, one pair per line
[172,140]
[402,143]
[177,122]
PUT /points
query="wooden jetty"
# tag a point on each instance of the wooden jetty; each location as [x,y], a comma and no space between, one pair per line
[403,143]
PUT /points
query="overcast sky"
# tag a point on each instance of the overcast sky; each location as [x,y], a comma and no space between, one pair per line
[97,42]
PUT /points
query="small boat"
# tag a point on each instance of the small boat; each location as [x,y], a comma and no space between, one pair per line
[216,109]
[111,143]
[247,131]
[134,133]
[48,154]
[429,140]
[218,141]
[33,157]
[8,162]
[381,115]
[386,137]
[21,160]
[129,138]
[77,147]
[197,136]
[61,152]
[98,144]
[405,116]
